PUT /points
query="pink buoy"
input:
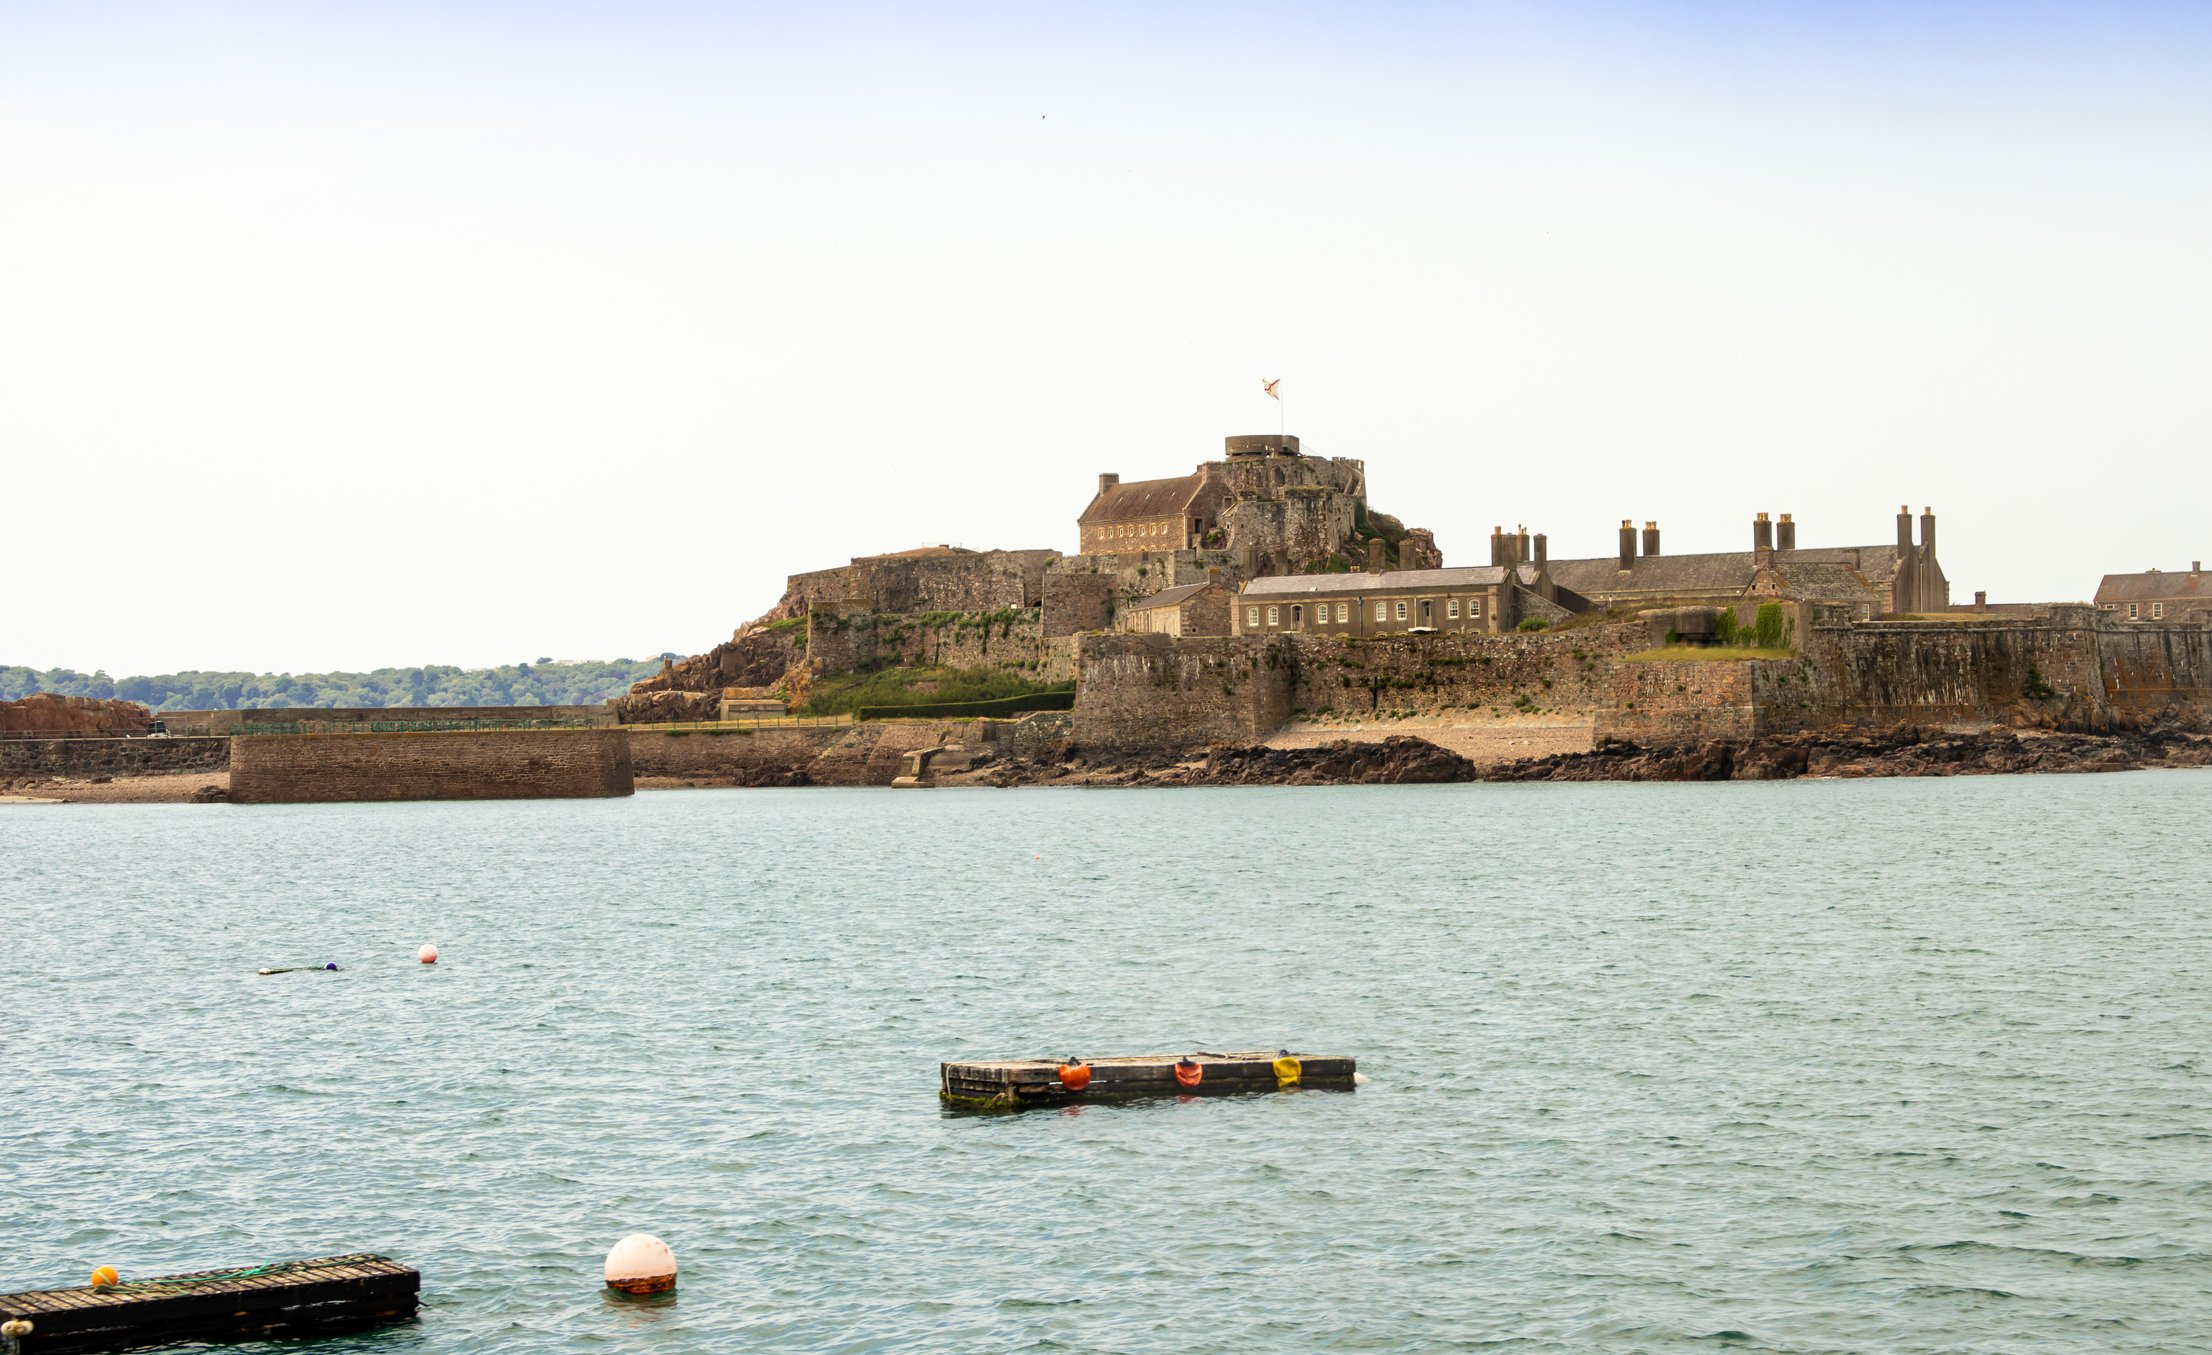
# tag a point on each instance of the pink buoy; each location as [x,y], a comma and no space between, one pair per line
[641,1264]
[428,954]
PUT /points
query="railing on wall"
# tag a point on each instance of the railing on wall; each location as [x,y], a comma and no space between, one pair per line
[404,726]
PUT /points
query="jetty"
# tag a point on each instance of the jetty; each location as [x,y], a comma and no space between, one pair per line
[288,1299]
[1021,1084]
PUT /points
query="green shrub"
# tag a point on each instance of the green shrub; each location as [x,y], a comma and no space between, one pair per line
[1533,623]
[1726,632]
[1767,628]
[883,684]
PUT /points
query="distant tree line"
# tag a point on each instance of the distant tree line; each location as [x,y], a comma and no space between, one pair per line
[544,683]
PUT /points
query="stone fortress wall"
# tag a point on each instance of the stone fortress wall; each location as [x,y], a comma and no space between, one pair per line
[2077,670]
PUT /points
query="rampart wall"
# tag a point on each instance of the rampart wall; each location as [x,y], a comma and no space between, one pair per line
[846,642]
[1157,692]
[863,754]
[443,765]
[1662,703]
[2078,669]
[1566,671]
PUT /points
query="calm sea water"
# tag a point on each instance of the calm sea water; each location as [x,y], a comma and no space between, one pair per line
[1814,1066]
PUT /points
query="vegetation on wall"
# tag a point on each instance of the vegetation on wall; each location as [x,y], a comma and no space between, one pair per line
[543,683]
[921,686]
[959,710]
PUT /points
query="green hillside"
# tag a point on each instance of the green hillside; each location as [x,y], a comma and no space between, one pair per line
[544,683]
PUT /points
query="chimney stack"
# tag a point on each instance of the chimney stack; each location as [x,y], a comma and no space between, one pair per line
[1904,530]
[1981,600]
[1762,533]
[1543,552]
[1497,545]
[1785,534]
[1520,547]
[1651,538]
[1375,548]
[1628,544]
[1107,480]
[2196,566]
[1928,531]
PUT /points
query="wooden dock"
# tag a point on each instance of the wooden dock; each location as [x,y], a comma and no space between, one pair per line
[291,1298]
[1019,1084]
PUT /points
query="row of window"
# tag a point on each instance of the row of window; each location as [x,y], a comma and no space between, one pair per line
[1384,611]
[1129,531]
[2158,611]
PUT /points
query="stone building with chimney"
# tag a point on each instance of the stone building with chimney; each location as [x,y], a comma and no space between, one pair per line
[2158,595]
[1189,609]
[1870,581]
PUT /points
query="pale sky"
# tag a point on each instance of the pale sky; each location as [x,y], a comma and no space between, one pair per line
[342,336]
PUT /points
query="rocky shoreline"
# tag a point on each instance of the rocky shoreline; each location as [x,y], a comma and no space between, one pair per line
[1407,760]
[1400,759]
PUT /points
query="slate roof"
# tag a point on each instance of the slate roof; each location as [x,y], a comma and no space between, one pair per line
[1139,500]
[1834,571]
[1389,581]
[2156,585]
[1170,597]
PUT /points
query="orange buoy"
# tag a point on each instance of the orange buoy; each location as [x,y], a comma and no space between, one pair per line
[105,1275]
[428,954]
[640,1264]
[1189,1072]
[1075,1074]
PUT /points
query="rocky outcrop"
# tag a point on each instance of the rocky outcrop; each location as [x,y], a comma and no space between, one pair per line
[761,656]
[666,707]
[1904,752]
[46,713]
[1395,761]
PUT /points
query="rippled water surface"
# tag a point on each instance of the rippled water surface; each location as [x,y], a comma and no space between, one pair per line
[1816,1066]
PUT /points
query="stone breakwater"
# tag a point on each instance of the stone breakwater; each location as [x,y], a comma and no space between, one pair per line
[443,765]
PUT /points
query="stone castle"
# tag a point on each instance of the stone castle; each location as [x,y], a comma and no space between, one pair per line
[1263,587]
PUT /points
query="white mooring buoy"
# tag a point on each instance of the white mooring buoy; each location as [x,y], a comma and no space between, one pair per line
[641,1264]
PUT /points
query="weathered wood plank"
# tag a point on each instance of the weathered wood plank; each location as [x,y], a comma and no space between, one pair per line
[355,1290]
[1014,1083]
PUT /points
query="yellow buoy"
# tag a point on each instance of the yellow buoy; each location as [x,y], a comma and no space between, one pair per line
[641,1264]
[105,1275]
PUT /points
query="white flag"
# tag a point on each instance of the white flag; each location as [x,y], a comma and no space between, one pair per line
[1269,387]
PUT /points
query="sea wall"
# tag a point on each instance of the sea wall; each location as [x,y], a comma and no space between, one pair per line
[439,765]
[111,757]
